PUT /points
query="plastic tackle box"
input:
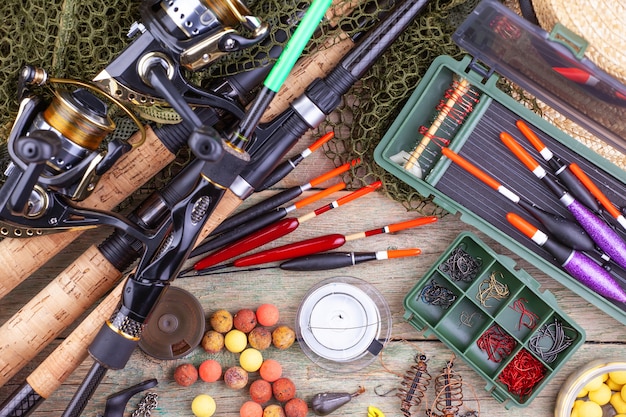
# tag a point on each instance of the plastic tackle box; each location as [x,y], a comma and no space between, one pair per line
[473,315]
[503,43]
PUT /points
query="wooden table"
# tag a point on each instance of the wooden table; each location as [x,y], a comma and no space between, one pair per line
[393,278]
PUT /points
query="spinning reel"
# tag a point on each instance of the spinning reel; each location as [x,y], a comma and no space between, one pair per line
[55,147]
[177,35]
[56,154]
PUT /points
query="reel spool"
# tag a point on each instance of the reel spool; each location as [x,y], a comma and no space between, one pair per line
[55,147]
[343,324]
[176,326]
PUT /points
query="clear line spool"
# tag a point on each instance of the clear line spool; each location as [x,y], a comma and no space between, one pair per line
[343,323]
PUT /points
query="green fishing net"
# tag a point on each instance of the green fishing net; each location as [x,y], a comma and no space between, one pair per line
[77,39]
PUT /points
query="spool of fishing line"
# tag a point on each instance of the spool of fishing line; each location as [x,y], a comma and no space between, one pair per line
[343,323]
[175,327]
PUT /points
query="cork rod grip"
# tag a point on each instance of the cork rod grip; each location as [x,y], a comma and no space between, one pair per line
[21,257]
[60,364]
[55,369]
[46,315]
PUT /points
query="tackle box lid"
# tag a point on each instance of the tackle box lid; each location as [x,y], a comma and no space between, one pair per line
[551,66]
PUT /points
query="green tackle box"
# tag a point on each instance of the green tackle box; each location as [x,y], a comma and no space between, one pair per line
[477,311]
[501,42]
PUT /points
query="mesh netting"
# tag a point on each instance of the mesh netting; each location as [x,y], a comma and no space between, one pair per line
[69,38]
[77,39]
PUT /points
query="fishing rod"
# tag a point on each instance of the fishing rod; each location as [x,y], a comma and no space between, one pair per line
[119,336]
[278,229]
[319,99]
[95,271]
[133,169]
[42,249]
[390,22]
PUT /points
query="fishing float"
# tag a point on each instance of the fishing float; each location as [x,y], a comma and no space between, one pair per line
[560,168]
[576,263]
[601,233]
[598,194]
[278,229]
[280,198]
[324,243]
[320,261]
[316,245]
[561,228]
[263,220]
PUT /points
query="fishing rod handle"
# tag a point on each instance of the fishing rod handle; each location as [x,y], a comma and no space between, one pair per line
[53,309]
[62,362]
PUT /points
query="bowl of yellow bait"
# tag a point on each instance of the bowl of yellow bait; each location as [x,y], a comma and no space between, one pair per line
[596,390]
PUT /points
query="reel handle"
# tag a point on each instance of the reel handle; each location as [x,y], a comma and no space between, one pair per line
[35,150]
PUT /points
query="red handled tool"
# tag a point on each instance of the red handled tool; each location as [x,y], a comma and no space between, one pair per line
[277,230]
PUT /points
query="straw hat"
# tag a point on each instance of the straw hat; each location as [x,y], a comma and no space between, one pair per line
[601,23]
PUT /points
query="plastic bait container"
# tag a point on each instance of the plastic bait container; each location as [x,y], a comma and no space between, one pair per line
[461,324]
[501,42]
[578,379]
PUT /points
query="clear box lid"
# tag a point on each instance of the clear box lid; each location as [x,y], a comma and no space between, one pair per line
[550,66]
